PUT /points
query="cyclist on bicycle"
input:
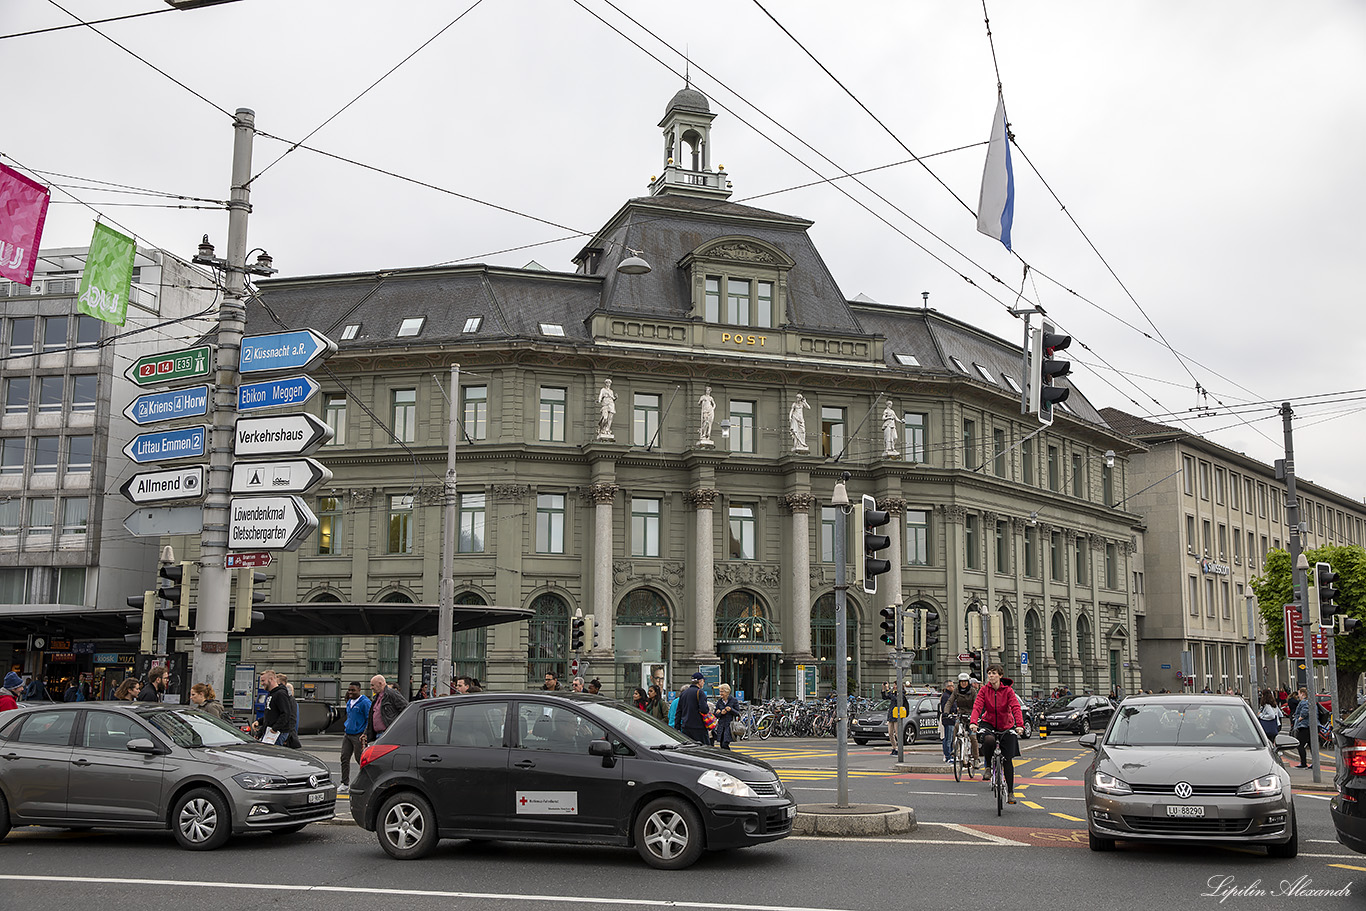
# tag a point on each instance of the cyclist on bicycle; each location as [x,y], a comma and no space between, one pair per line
[961,701]
[997,706]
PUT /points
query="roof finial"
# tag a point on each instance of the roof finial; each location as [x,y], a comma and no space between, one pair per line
[687,67]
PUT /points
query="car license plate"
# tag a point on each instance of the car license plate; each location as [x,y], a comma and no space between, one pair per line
[1185,811]
[320,796]
[791,811]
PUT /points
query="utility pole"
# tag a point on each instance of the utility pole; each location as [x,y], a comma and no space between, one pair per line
[1252,644]
[1298,583]
[840,500]
[445,618]
[215,580]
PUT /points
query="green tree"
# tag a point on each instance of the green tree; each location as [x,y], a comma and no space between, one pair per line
[1273,590]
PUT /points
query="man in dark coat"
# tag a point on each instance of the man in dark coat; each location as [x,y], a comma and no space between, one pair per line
[692,705]
[385,706]
[281,713]
[157,680]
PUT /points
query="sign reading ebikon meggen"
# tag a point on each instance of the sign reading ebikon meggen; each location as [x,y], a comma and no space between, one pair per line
[293,350]
[155,369]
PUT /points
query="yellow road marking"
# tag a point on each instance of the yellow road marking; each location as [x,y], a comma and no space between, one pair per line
[1051,768]
[1031,804]
[1065,816]
[1348,867]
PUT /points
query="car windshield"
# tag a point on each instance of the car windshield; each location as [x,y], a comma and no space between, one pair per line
[1073,704]
[189,728]
[1188,724]
[646,730]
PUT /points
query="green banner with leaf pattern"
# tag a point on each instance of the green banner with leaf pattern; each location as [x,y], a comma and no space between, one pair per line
[108,276]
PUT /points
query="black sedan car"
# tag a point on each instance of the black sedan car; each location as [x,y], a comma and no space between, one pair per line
[1348,806]
[575,768]
[1079,714]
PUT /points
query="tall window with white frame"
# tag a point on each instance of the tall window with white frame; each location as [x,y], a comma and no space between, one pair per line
[472,516]
[969,443]
[741,426]
[1002,546]
[998,439]
[645,526]
[334,415]
[829,522]
[915,436]
[476,412]
[917,537]
[552,414]
[405,415]
[1083,560]
[644,419]
[329,526]
[832,431]
[550,523]
[742,531]
[401,524]
[972,541]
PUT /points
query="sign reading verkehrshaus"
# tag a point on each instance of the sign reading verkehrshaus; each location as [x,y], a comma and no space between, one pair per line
[163,445]
[268,523]
[154,369]
[283,434]
[294,350]
[154,407]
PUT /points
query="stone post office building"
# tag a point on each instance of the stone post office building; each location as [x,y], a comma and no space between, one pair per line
[658,449]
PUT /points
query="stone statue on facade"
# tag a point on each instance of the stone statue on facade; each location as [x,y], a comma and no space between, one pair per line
[889,422]
[708,407]
[796,422]
[607,410]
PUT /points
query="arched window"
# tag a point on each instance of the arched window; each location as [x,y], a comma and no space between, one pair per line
[1086,652]
[741,616]
[548,639]
[1034,638]
[1060,650]
[923,668]
[468,658]
[823,631]
[641,639]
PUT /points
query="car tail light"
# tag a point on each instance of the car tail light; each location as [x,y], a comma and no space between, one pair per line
[375,751]
[1355,757]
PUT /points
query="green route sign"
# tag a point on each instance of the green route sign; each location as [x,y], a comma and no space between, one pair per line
[189,364]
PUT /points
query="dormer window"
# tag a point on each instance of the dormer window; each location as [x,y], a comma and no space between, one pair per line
[411,326]
[739,281]
[984,373]
[350,332]
[473,323]
[907,360]
[957,363]
[746,302]
[554,329]
[1010,381]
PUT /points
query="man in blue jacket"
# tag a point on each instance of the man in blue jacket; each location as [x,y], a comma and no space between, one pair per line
[692,705]
[357,713]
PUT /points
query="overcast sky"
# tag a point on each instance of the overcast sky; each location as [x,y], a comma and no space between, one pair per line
[1212,153]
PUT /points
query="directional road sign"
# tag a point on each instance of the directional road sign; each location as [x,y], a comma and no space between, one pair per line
[284,476]
[250,560]
[165,485]
[188,364]
[964,657]
[162,445]
[268,523]
[295,350]
[165,520]
[154,407]
[292,390]
[280,434]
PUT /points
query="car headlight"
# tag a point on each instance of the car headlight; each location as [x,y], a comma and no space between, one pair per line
[726,784]
[1074,715]
[254,781]
[1267,786]
[1109,784]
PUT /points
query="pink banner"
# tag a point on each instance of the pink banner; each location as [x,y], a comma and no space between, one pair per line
[23,209]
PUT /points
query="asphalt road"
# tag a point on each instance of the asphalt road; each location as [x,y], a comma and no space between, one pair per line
[962,855]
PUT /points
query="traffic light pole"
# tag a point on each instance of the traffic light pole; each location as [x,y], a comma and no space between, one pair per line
[1298,582]
[841,650]
[215,579]
[445,617]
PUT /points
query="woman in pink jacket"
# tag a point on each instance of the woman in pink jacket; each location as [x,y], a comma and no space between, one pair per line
[997,706]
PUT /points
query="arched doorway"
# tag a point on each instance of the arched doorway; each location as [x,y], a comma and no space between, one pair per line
[641,641]
[823,631]
[469,650]
[749,645]
[547,640]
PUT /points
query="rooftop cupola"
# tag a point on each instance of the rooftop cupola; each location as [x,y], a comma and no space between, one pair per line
[687,150]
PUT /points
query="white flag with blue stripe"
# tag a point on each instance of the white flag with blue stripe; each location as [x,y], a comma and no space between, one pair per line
[996,205]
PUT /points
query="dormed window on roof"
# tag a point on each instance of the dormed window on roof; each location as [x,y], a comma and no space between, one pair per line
[957,363]
[985,373]
[739,280]
[907,360]
[473,323]
[350,332]
[411,326]
[1010,381]
[554,329]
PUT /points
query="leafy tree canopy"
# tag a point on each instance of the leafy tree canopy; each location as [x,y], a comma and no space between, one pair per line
[1273,590]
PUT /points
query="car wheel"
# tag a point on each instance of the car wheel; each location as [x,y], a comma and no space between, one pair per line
[200,820]
[1028,731]
[911,734]
[4,817]
[1099,844]
[1085,727]
[289,830]
[668,834]
[860,741]
[407,826]
[1289,848]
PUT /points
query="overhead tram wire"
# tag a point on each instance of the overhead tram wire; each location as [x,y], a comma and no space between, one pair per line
[59,28]
[365,91]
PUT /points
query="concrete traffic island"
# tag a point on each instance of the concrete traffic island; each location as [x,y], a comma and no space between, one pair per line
[856,820]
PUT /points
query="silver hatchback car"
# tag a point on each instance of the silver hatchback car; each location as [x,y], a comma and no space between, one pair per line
[142,765]
[1189,768]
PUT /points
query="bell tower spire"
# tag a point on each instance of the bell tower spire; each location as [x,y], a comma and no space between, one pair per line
[687,149]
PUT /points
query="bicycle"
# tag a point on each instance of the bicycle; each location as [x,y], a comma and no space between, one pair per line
[998,774]
[961,749]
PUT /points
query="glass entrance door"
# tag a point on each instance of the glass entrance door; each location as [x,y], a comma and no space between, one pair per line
[754,675]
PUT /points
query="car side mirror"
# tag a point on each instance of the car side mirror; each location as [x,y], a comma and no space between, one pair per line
[602,748]
[1286,742]
[142,745]
[1089,740]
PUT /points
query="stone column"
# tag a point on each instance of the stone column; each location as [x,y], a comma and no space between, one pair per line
[890,596]
[602,496]
[989,602]
[704,573]
[507,524]
[952,517]
[800,578]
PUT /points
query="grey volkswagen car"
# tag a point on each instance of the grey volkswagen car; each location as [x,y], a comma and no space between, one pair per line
[141,765]
[1189,768]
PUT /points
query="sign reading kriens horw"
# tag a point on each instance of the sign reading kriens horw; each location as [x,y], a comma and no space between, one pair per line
[153,407]
[268,523]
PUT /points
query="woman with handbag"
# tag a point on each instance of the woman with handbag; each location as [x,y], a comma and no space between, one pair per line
[726,709]
[1269,715]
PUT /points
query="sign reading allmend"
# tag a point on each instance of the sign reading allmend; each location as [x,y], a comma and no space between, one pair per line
[164,485]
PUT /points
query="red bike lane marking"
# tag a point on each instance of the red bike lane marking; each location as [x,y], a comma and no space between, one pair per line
[1038,782]
[1036,837]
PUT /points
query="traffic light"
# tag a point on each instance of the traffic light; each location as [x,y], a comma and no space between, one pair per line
[144,622]
[873,565]
[576,628]
[176,593]
[975,667]
[889,630]
[929,628]
[1325,583]
[1348,626]
[247,596]
[1043,370]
